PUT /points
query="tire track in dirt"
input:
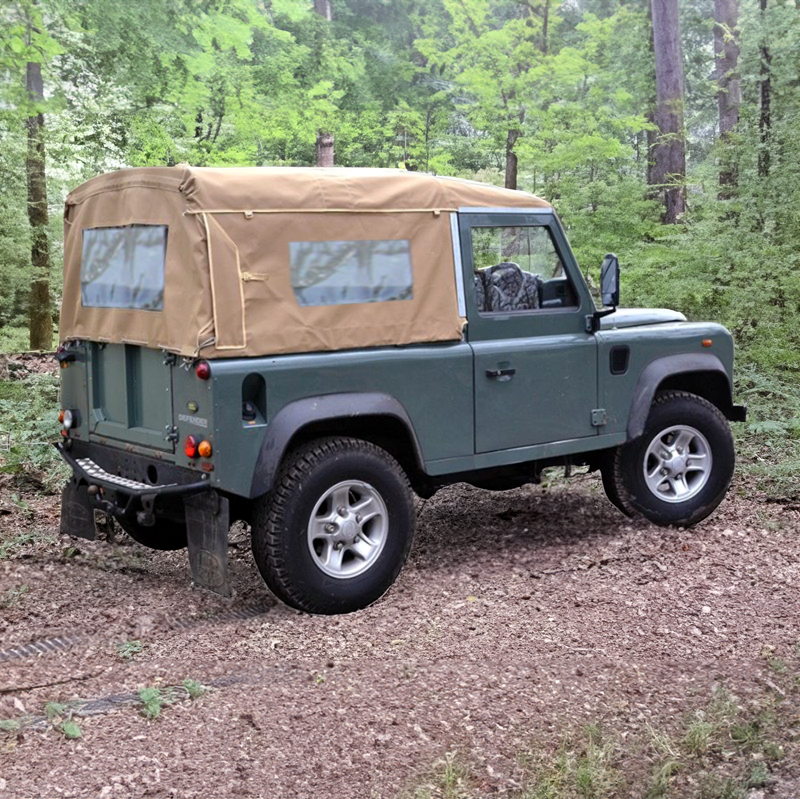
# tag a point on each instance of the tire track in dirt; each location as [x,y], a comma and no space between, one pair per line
[63,643]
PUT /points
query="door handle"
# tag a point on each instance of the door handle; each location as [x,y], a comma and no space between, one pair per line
[501,375]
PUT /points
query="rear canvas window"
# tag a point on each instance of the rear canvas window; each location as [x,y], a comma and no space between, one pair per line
[346,272]
[123,267]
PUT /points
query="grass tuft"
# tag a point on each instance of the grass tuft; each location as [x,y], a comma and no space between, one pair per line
[152,699]
[128,650]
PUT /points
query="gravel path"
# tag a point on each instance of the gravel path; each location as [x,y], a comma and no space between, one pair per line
[520,616]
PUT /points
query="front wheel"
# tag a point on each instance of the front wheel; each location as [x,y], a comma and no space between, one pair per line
[679,470]
[336,529]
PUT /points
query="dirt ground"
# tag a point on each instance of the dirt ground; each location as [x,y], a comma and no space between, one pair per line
[520,615]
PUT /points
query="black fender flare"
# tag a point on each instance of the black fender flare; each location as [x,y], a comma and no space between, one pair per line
[327,407]
[670,366]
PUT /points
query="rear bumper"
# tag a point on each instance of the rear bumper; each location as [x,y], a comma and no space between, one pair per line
[86,470]
[112,487]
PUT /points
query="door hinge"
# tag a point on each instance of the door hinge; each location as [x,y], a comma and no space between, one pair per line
[599,417]
[170,358]
[172,433]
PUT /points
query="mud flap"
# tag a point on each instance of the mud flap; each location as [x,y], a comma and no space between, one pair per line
[207,525]
[77,512]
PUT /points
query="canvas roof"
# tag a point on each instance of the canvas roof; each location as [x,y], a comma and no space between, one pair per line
[228,286]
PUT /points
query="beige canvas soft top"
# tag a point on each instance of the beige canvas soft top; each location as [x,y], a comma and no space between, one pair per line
[252,256]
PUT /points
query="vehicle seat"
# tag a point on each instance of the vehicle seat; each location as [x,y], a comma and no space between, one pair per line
[480,291]
[511,289]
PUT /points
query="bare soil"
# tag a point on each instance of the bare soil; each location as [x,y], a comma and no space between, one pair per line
[519,616]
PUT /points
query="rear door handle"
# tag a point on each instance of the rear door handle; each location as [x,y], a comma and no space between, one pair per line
[501,375]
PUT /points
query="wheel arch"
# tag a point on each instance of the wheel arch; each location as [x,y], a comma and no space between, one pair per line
[702,374]
[370,416]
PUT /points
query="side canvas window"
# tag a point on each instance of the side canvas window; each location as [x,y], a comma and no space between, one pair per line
[347,272]
[123,267]
[518,269]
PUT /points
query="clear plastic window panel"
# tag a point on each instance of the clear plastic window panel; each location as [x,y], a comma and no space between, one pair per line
[347,272]
[123,267]
[529,247]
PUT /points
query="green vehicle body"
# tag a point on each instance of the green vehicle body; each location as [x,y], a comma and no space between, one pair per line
[519,392]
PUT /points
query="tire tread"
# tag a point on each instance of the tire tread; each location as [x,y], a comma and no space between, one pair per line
[269,512]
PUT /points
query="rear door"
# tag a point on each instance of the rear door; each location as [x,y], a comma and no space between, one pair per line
[535,364]
[130,395]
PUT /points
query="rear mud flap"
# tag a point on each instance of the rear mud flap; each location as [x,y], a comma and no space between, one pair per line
[77,512]
[207,525]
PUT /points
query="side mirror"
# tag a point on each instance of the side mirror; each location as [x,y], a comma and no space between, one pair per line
[609,281]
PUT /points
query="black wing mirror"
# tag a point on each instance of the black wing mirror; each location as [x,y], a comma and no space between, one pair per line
[609,292]
[609,281]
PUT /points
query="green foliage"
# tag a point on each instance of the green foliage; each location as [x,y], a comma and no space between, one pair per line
[448,86]
[127,650]
[13,595]
[29,414]
[71,729]
[54,710]
[449,778]
[152,700]
[14,545]
[194,688]
[583,766]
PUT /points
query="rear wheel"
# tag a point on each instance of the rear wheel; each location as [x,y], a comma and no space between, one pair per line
[335,531]
[164,535]
[679,470]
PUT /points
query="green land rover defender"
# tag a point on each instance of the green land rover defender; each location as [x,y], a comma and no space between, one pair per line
[303,349]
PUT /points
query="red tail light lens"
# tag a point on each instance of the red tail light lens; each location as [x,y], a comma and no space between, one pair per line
[190,447]
[203,370]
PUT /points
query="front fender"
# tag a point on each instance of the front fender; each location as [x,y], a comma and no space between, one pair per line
[671,368]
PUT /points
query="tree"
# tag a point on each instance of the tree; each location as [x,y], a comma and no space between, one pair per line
[498,58]
[765,100]
[729,93]
[25,46]
[325,139]
[669,154]
[41,321]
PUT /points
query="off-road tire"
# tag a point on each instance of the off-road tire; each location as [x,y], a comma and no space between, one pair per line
[164,535]
[700,419]
[282,521]
[614,492]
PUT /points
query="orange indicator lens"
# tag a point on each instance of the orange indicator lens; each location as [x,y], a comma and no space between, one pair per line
[707,342]
[204,449]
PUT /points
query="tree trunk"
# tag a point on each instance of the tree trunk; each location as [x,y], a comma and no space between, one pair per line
[511,160]
[324,148]
[40,319]
[729,92]
[324,138]
[669,156]
[765,96]
[323,8]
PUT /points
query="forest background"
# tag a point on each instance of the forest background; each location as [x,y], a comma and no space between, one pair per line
[668,133]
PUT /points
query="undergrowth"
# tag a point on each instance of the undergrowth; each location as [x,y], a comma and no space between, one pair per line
[16,338]
[721,749]
[28,426]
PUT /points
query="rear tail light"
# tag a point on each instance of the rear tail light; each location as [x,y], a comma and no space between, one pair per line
[202,370]
[190,447]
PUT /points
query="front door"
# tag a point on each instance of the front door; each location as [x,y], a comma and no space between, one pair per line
[535,364]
